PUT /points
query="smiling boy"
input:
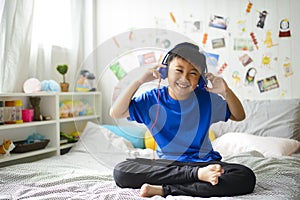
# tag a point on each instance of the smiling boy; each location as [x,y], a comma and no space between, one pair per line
[179,116]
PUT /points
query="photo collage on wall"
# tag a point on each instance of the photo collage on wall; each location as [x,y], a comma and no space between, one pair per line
[243,50]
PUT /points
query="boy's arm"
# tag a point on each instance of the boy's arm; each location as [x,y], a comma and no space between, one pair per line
[219,86]
[235,106]
[120,107]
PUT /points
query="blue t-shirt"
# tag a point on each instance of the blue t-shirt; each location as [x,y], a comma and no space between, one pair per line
[181,126]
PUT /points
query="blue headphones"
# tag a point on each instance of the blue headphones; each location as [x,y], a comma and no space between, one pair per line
[191,53]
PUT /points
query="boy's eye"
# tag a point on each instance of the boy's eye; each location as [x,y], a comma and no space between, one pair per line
[178,70]
[194,74]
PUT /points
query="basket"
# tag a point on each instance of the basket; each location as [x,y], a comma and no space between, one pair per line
[22,146]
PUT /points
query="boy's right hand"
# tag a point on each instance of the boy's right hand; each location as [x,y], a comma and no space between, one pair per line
[151,74]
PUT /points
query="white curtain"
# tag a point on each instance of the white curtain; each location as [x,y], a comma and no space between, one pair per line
[37,35]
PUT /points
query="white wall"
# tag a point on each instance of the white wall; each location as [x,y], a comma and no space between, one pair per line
[117,16]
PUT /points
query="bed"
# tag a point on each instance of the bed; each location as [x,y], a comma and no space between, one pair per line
[267,142]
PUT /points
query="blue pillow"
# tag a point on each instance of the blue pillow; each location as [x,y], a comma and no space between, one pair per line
[133,134]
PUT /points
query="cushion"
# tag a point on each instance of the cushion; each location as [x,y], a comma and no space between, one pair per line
[149,141]
[276,118]
[235,143]
[103,145]
[134,134]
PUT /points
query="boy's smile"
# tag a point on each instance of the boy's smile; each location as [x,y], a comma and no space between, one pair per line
[183,78]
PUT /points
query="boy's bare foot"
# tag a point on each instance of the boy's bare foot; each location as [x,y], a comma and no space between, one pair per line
[210,173]
[148,190]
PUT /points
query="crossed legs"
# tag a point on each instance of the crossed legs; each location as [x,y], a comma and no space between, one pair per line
[162,177]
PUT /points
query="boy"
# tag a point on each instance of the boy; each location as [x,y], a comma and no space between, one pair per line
[179,116]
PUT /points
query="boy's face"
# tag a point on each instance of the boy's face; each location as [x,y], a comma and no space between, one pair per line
[183,78]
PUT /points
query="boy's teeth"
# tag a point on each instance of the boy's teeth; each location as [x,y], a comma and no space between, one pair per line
[182,85]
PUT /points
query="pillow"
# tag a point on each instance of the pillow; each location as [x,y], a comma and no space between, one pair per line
[149,141]
[276,118]
[134,134]
[235,143]
[103,145]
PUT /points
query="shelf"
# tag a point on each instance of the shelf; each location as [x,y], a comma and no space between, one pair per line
[15,156]
[49,106]
[67,145]
[26,124]
[71,119]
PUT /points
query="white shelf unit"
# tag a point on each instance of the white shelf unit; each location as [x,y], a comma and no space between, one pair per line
[49,106]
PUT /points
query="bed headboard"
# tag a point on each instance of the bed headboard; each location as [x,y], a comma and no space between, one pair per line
[278,118]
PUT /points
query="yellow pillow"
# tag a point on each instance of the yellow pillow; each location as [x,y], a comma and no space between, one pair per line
[151,144]
[149,141]
[211,135]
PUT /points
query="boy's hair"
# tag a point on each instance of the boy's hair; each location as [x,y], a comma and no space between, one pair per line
[190,53]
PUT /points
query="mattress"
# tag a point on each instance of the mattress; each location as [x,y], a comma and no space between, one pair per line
[85,173]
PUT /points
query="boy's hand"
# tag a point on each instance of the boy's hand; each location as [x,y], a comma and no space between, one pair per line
[151,74]
[219,85]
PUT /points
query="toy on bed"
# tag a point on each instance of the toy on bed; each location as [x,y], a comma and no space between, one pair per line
[6,147]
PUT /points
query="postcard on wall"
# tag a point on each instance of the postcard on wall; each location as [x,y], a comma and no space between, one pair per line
[147,58]
[245,60]
[218,43]
[193,26]
[268,83]
[243,44]
[218,22]
[212,59]
[118,70]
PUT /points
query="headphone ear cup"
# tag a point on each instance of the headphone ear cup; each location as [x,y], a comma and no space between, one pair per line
[163,72]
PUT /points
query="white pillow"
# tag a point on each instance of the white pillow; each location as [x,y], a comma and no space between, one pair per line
[105,146]
[235,143]
[275,118]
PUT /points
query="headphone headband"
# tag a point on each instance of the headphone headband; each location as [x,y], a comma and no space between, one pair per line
[189,52]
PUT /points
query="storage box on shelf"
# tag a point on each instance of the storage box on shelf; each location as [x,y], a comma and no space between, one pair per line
[75,109]
[50,128]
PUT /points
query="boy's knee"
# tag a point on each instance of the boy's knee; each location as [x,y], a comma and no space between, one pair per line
[249,180]
[252,180]
[124,178]
[118,178]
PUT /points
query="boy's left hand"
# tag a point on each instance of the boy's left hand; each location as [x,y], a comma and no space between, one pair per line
[218,84]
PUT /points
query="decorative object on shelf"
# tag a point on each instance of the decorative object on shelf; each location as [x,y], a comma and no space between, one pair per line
[85,82]
[70,137]
[63,69]
[50,86]
[35,141]
[32,85]
[22,146]
[10,112]
[35,102]
[27,115]
[74,108]
[19,104]
[6,147]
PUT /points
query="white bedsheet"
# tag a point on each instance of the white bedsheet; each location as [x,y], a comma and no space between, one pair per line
[85,173]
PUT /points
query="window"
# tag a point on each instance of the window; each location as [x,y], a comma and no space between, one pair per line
[52,23]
